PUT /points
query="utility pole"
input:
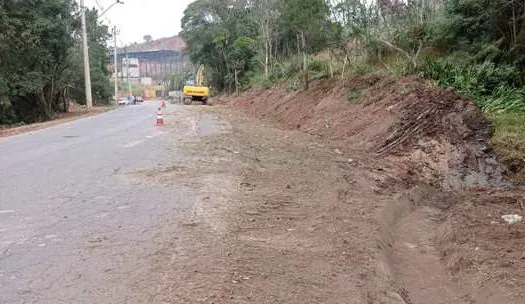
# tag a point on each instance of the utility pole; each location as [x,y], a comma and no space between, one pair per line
[127,72]
[115,56]
[87,74]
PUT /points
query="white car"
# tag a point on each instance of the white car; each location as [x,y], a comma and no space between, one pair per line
[123,101]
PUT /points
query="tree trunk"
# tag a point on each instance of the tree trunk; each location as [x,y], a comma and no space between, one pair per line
[305,61]
[523,17]
[266,59]
[514,27]
[345,61]
[236,84]
[45,112]
[298,45]
[66,100]
[330,62]
[269,49]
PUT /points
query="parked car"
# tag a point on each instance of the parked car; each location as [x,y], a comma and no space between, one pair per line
[123,101]
[135,99]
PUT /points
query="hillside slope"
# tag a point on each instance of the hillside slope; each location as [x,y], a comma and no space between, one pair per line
[443,135]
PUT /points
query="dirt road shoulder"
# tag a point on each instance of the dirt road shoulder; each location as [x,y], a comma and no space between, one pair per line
[282,216]
[285,217]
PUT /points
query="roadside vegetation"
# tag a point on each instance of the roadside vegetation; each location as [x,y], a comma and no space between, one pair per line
[41,67]
[509,140]
[475,47]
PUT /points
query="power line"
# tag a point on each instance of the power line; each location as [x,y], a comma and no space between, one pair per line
[101,8]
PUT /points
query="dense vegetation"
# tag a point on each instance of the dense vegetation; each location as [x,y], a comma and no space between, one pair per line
[474,46]
[41,59]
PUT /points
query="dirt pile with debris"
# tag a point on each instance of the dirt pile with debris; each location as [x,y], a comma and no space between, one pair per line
[434,135]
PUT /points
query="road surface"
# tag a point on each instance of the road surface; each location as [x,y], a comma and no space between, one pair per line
[74,227]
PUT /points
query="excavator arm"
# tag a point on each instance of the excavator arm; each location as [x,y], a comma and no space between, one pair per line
[199,81]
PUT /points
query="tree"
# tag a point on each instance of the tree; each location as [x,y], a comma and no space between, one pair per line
[219,34]
[41,58]
[266,14]
[493,30]
[307,18]
[98,36]
[240,57]
[35,39]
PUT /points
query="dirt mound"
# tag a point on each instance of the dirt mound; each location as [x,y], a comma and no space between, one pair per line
[433,134]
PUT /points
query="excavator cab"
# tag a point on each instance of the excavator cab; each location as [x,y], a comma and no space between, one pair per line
[196,91]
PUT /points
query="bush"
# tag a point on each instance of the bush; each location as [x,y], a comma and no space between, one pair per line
[509,139]
[7,114]
[319,69]
[504,98]
[468,77]
[275,75]
[354,94]
[492,87]
[291,69]
[317,66]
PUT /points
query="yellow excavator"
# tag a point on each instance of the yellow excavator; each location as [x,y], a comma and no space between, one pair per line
[196,91]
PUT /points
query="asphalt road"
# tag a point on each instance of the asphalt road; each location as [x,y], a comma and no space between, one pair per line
[73,227]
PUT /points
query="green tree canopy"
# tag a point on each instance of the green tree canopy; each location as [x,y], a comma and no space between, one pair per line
[41,59]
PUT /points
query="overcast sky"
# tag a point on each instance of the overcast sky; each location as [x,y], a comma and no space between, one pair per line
[137,18]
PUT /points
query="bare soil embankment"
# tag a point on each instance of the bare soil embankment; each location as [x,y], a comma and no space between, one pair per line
[443,237]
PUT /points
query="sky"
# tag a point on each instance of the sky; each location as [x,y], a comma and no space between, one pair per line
[136,18]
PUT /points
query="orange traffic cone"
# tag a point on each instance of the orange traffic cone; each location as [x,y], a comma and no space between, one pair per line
[160,119]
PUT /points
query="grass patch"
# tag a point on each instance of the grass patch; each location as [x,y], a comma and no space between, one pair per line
[353,95]
[493,88]
[509,138]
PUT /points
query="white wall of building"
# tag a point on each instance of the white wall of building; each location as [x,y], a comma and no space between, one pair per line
[130,66]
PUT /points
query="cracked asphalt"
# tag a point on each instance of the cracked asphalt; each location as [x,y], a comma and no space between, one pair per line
[74,228]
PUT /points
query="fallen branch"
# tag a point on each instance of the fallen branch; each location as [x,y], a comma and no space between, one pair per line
[396,48]
[413,59]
